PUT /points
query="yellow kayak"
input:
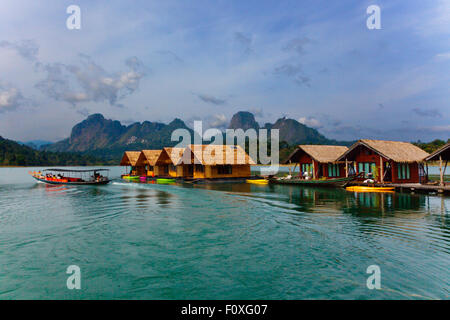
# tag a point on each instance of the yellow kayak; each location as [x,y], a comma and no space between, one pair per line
[370,189]
[258,181]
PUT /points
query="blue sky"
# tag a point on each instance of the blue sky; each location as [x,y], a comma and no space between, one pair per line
[313,61]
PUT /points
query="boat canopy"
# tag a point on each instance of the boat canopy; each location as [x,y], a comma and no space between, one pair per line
[75,170]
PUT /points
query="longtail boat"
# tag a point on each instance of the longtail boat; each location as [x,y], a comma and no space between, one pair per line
[71,176]
[334,182]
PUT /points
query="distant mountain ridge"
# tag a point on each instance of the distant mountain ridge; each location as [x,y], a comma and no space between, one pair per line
[243,120]
[109,138]
[16,154]
[291,131]
[35,144]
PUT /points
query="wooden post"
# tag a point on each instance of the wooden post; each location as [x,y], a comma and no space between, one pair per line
[381,170]
[314,170]
[441,171]
[346,168]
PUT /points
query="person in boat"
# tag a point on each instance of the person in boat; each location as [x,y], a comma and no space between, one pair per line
[369,178]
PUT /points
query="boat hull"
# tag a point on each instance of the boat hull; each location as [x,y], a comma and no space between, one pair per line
[165,180]
[370,189]
[257,181]
[84,183]
[127,177]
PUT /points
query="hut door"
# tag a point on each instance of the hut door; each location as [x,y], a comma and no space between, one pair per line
[387,172]
[422,173]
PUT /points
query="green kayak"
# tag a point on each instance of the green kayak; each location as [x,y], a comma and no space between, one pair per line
[165,180]
[130,177]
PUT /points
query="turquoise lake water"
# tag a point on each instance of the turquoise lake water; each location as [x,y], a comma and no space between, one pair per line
[222,241]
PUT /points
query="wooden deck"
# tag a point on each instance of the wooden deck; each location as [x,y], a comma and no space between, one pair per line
[410,187]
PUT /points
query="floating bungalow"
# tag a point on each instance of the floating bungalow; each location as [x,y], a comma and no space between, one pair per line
[387,161]
[130,159]
[441,155]
[167,162]
[147,159]
[192,162]
[216,162]
[319,161]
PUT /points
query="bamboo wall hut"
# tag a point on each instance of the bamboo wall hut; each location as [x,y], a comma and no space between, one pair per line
[387,161]
[319,161]
[129,159]
[441,155]
[148,158]
[217,161]
[167,163]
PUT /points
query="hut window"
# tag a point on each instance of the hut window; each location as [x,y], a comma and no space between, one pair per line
[366,167]
[149,168]
[307,167]
[226,169]
[333,170]
[199,168]
[172,168]
[403,171]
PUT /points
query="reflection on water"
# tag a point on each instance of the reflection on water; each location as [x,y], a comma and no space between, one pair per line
[220,241]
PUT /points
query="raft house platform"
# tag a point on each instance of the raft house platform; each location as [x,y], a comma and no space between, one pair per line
[394,164]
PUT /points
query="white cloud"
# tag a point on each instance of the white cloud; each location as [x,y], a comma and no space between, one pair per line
[310,122]
[28,49]
[87,81]
[442,56]
[10,97]
[219,121]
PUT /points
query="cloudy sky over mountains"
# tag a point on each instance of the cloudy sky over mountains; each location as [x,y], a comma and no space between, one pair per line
[313,61]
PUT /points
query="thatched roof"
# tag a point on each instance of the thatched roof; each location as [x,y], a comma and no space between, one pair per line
[391,150]
[217,155]
[443,152]
[130,158]
[149,157]
[320,153]
[174,154]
